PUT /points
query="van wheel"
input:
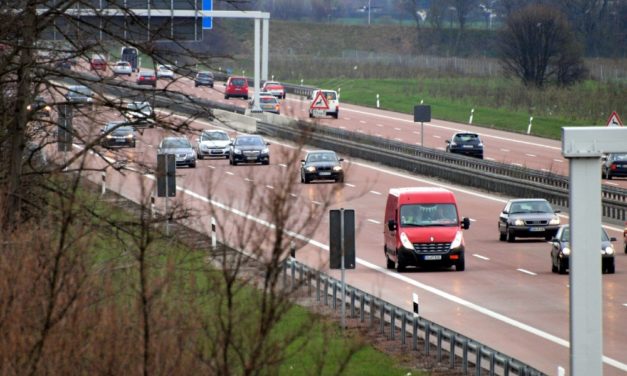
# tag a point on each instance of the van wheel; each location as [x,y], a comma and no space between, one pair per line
[460,265]
[226,97]
[389,263]
[553,267]
[510,236]
[502,236]
[610,269]
[400,267]
[336,114]
[310,114]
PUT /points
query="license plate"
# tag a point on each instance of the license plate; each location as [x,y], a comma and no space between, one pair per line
[468,146]
[326,173]
[433,257]
[120,140]
[536,229]
[319,112]
[251,158]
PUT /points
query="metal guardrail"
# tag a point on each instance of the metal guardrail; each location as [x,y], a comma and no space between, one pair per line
[489,175]
[398,323]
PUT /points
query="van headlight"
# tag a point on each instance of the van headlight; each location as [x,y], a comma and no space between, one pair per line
[555,221]
[337,168]
[405,241]
[237,151]
[609,250]
[566,251]
[519,222]
[311,169]
[265,151]
[458,241]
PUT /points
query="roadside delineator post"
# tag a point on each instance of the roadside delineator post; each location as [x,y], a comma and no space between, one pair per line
[152,207]
[104,183]
[529,127]
[339,93]
[214,239]
[377,100]
[561,371]
[416,305]
[293,250]
[472,113]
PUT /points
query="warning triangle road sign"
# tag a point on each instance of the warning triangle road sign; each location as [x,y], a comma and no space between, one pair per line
[320,102]
[614,120]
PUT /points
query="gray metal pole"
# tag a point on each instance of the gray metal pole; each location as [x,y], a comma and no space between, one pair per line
[586,321]
[343,271]
[256,107]
[422,133]
[265,39]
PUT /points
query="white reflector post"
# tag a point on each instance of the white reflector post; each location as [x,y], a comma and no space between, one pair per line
[416,305]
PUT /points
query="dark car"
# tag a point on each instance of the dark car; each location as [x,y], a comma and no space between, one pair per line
[249,149]
[236,87]
[39,106]
[560,251]
[146,77]
[465,143]
[204,78]
[321,165]
[79,94]
[118,134]
[528,218]
[181,148]
[614,165]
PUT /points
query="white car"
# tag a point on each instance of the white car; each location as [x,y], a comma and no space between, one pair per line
[122,67]
[165,71]
[213,143]
[140,113]
[316,107]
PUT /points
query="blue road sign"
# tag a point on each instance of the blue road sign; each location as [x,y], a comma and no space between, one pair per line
[207,22]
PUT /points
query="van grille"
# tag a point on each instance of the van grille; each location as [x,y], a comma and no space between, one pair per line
[541,222]
[432,247]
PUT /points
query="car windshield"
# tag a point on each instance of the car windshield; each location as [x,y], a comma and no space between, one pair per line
[566,235]
[238,82]
[255,141]
[122,131]
[321,157]
[140,106]
[421,215]
[522,207]
[214,136]
[122,64]
[330,95]
[205,75]
[176,143]
[466,137]
[80,90]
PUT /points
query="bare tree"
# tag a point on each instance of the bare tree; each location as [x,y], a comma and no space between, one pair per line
[437,14]
[538,46]
[462,9]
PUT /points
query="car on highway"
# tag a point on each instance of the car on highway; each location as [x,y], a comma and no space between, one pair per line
[140,113]
[528,218]
[146,77]
[422,228]
[203,78]
[130,55]
[560,251]
[274,88]
[39,107]
[98,62]
[79,94]
[165,71]
[118,134]
[236,87]
[321,165]
[249,148]
[465,143]
[319,98]
[181,148]
[268,103]
[213,143]
[614,165]
[122,68]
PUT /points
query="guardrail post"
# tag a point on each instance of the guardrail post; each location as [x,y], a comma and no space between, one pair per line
[377,100]
[472,114]
[334,295]
[403,320]
[392,322]
[362,307]
[352,302]
[104,183]
[452,340]
[372,306]
[506,367]
[465,356]
[214,237]
[478,360]
[318,286]
[326,291]
[427,335]
[293,273]
[492,364]
[414,333]
[439,348]
[381,319]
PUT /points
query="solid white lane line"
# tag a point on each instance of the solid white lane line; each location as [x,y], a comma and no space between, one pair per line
[610,183]
[489,159]
[342,127]
[269,187]
[472,220]
[398,139]
[416,132]
[625,304]
[526,271]
[544,169]
[481,257]
[374,221]
[530,155]
[375,193]
[441,148]
[230,173]
[293,195]
[516,164]
[378,135]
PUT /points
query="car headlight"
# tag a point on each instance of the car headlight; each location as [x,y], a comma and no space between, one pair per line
[566,251]
[405,241]
[519,222]
[191,155]
[453,144]
[237,151]
[480,145]
[109,136]
[311,169]
[458,241]
[265,151]
[47,108]
[130,136]
[337,168]
[609,250]
[29,107]
[555,221]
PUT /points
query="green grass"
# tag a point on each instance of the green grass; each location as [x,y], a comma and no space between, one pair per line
[500,104]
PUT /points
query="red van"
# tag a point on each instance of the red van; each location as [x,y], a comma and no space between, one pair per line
[422,227]
[236,87]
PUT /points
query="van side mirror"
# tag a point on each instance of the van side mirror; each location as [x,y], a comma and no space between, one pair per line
[391,225]
[465,223]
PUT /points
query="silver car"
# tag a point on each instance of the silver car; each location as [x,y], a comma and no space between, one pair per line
[181,148]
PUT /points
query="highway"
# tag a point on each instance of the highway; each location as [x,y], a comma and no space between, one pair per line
[507,298]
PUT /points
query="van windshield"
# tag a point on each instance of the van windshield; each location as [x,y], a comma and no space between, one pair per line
[422,215]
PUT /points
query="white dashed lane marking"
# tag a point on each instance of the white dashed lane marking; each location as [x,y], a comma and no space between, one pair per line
[416,132]
[247,179]
[269,187]
[380,125]
[435,136]
[375,193]
[349,185]
[558,160]
[397,129]
[481,257]
[282,165]
[526,271]
[293,195]
[211,167]
[362,121]
[505,150]
[230,173]
[530,155]
[489,159]
[316,202]
[374,221]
